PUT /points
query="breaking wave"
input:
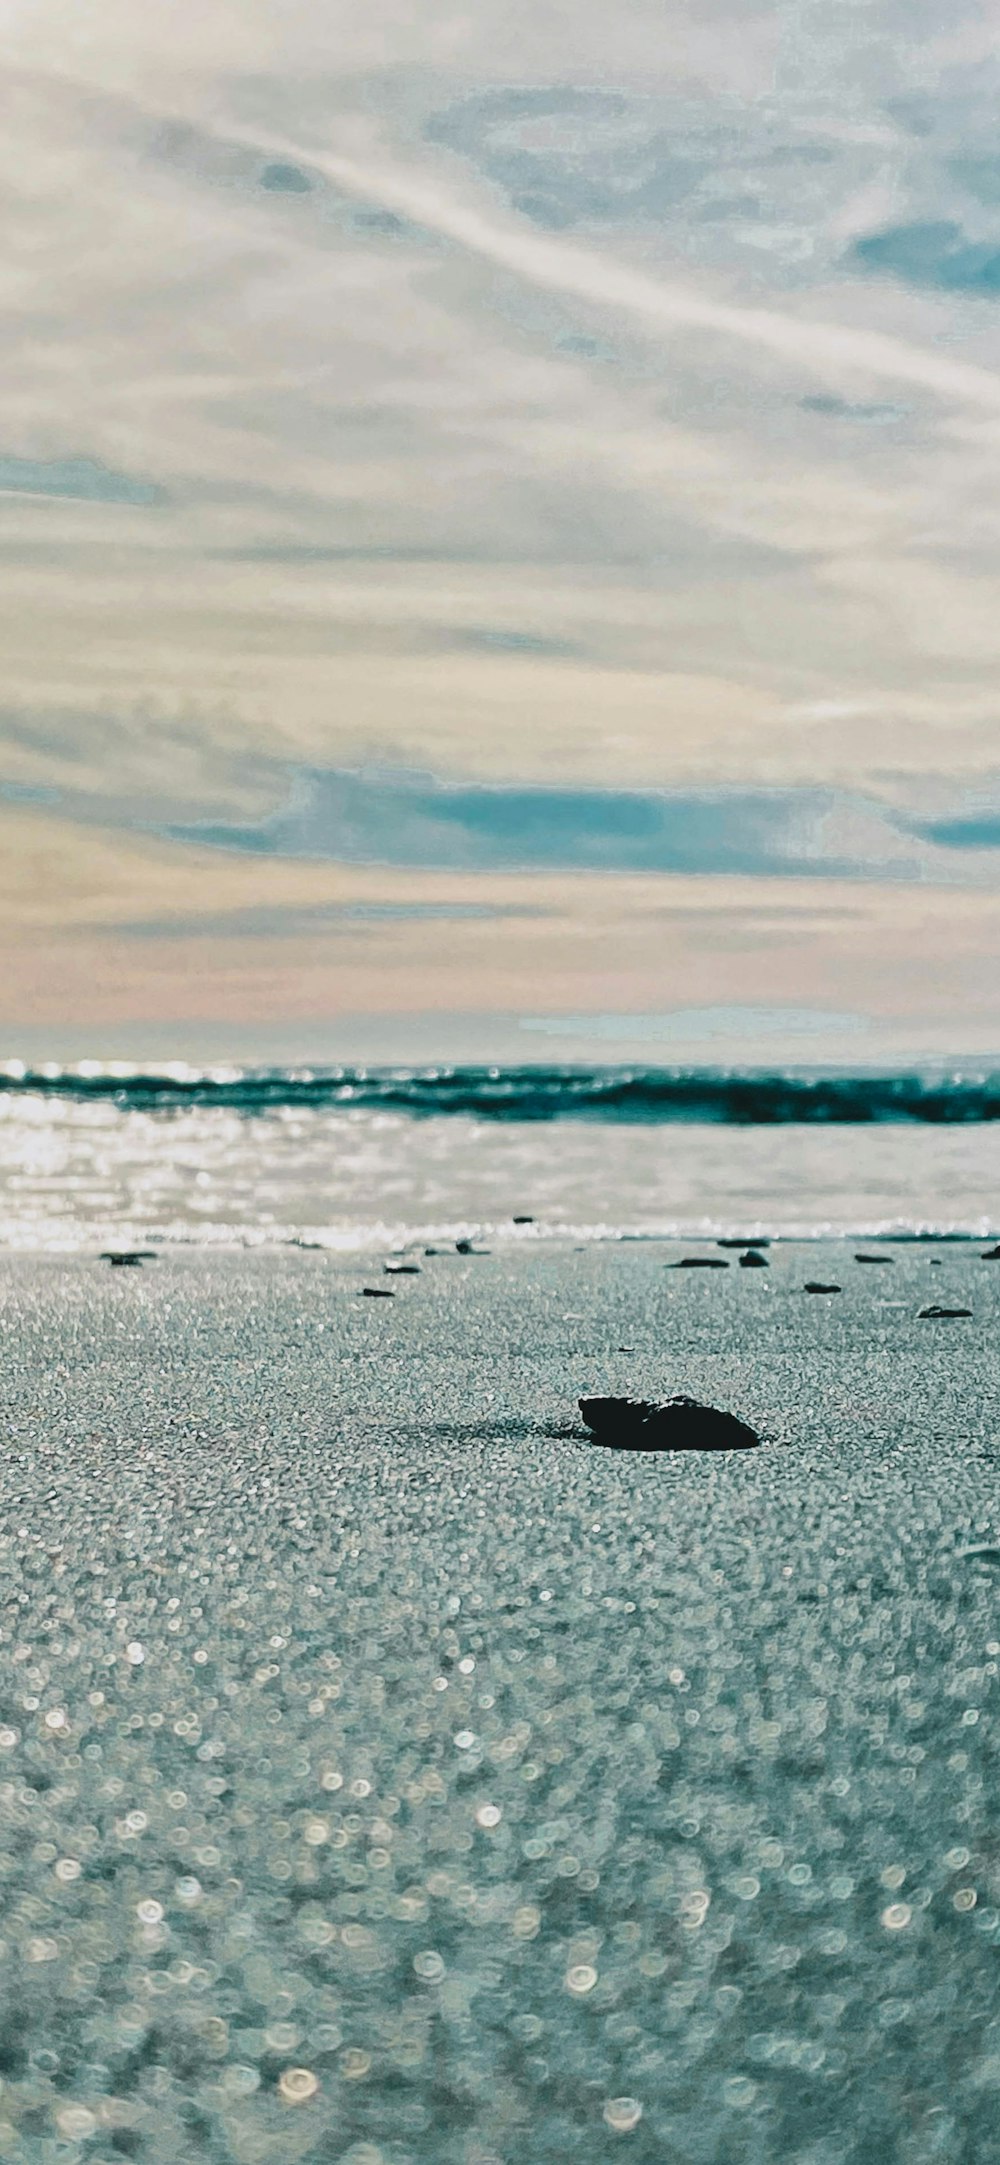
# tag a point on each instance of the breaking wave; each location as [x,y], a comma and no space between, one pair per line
[649,1095]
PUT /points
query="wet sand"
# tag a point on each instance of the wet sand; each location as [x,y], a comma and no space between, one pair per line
[388,1774]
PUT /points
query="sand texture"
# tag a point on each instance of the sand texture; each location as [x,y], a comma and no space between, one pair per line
[389,1775]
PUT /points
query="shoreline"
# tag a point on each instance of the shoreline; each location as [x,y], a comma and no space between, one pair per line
[390,1240]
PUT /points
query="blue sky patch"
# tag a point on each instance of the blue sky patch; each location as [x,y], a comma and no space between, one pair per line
[932,253]
[77,479]
[392,816]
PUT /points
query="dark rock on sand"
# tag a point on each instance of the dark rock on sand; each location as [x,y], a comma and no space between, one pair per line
[935,1310]
[991,1255]
[377,1293]
[730,1241]
[128,1258]
[524,1218]
[678,1424]
[700,1262]
[753,1260]
[816,1285]
[874,1258]
[466,1247]
[401,1270]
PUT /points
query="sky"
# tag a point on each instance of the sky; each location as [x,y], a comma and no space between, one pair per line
[499,520]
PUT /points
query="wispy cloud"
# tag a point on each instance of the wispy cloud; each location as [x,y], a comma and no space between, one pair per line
[586,275]
[591,416]
[308,921]
[701,1025]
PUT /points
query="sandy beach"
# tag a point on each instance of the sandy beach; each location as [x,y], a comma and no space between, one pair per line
[389,1775]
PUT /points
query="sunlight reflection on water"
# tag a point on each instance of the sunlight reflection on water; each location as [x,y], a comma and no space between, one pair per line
[74,1172]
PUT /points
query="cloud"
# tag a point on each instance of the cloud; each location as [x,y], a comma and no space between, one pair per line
[415,820]
[524,399]
[496,641]
[701,1024]
[570,268]
[567,155]
[308,921]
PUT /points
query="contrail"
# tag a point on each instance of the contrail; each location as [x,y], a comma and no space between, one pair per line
[557,266]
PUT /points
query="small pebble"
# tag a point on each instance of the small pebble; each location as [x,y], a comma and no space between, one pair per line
[297,2085]
[678,1424]
[623,2114]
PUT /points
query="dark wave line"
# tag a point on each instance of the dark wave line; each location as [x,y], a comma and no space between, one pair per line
[641,1095]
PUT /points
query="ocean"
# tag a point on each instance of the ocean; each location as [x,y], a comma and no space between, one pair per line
[347,1159]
